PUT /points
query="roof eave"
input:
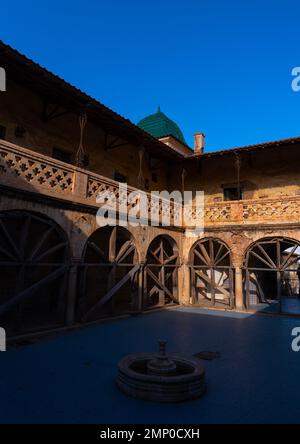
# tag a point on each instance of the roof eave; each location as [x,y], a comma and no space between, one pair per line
[247,148]
[81,100]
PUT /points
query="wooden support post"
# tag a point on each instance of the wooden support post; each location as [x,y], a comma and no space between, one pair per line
[175,283]
[212,286]
[162,295]
[278,274]
[111,282]
[145,289]
[278,279]
[140,289]
[137,290]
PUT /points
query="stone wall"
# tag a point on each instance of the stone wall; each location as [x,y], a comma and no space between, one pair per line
[266,174]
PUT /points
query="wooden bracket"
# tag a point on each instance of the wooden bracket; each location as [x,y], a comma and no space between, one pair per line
[52,111]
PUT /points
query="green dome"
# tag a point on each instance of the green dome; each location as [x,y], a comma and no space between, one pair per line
[159,125]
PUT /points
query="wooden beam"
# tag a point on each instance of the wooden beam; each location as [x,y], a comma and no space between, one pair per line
[10,240]
[52,111]
[38,246]
[266,255]
[51,250]
[108,296]
[160,284]
[28,292]
[97,250]
[125,250]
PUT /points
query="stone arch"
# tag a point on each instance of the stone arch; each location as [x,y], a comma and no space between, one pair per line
[161,272]
[109,274]
[211,273]
[271,274]
[34,263]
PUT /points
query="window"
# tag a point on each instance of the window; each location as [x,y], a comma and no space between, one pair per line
[118,177]
[63,155]
[2,132]
[233,193]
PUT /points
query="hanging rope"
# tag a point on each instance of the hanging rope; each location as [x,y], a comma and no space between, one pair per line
[80,154]
[237,162]
[140,175]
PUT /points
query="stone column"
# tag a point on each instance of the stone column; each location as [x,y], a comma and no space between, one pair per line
[239,297]
[184,284]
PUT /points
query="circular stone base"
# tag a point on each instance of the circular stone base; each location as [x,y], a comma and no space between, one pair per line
[188,382]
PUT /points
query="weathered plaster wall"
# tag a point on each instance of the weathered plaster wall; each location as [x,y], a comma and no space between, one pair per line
[270,173]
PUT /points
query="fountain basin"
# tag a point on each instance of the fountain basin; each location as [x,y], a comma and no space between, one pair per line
[184,381]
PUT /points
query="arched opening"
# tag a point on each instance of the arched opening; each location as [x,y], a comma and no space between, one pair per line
[161,273]
[211,274]
[108,274]
[272,271]
[34,256]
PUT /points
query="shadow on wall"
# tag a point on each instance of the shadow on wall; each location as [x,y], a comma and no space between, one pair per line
[42,287]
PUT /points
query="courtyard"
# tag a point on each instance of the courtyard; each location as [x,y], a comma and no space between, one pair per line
[70,378]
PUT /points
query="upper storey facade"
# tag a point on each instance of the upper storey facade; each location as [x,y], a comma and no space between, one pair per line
[39,123]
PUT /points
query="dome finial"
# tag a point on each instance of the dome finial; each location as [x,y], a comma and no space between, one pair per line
[158,109]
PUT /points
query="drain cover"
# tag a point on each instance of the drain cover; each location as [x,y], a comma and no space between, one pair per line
[207,355]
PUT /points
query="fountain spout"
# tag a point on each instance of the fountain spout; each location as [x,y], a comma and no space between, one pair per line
[161,365]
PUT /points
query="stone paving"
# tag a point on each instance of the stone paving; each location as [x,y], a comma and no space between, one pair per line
[70,378]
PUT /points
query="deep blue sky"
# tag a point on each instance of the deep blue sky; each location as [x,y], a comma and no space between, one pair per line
[222,67]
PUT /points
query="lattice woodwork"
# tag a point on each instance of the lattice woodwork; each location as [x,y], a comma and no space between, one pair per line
[35,172]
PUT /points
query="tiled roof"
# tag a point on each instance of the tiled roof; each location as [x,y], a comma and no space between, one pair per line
[247,148]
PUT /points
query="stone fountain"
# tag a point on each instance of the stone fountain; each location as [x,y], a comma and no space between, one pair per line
[161,377]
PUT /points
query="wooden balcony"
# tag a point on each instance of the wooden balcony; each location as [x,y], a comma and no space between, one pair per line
[30,171]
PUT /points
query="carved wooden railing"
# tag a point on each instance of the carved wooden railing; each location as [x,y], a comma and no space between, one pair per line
[30,171]
[27,170]
[258,211]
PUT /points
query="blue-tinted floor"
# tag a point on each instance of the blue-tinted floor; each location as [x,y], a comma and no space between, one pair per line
[287,305]
[71,378]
